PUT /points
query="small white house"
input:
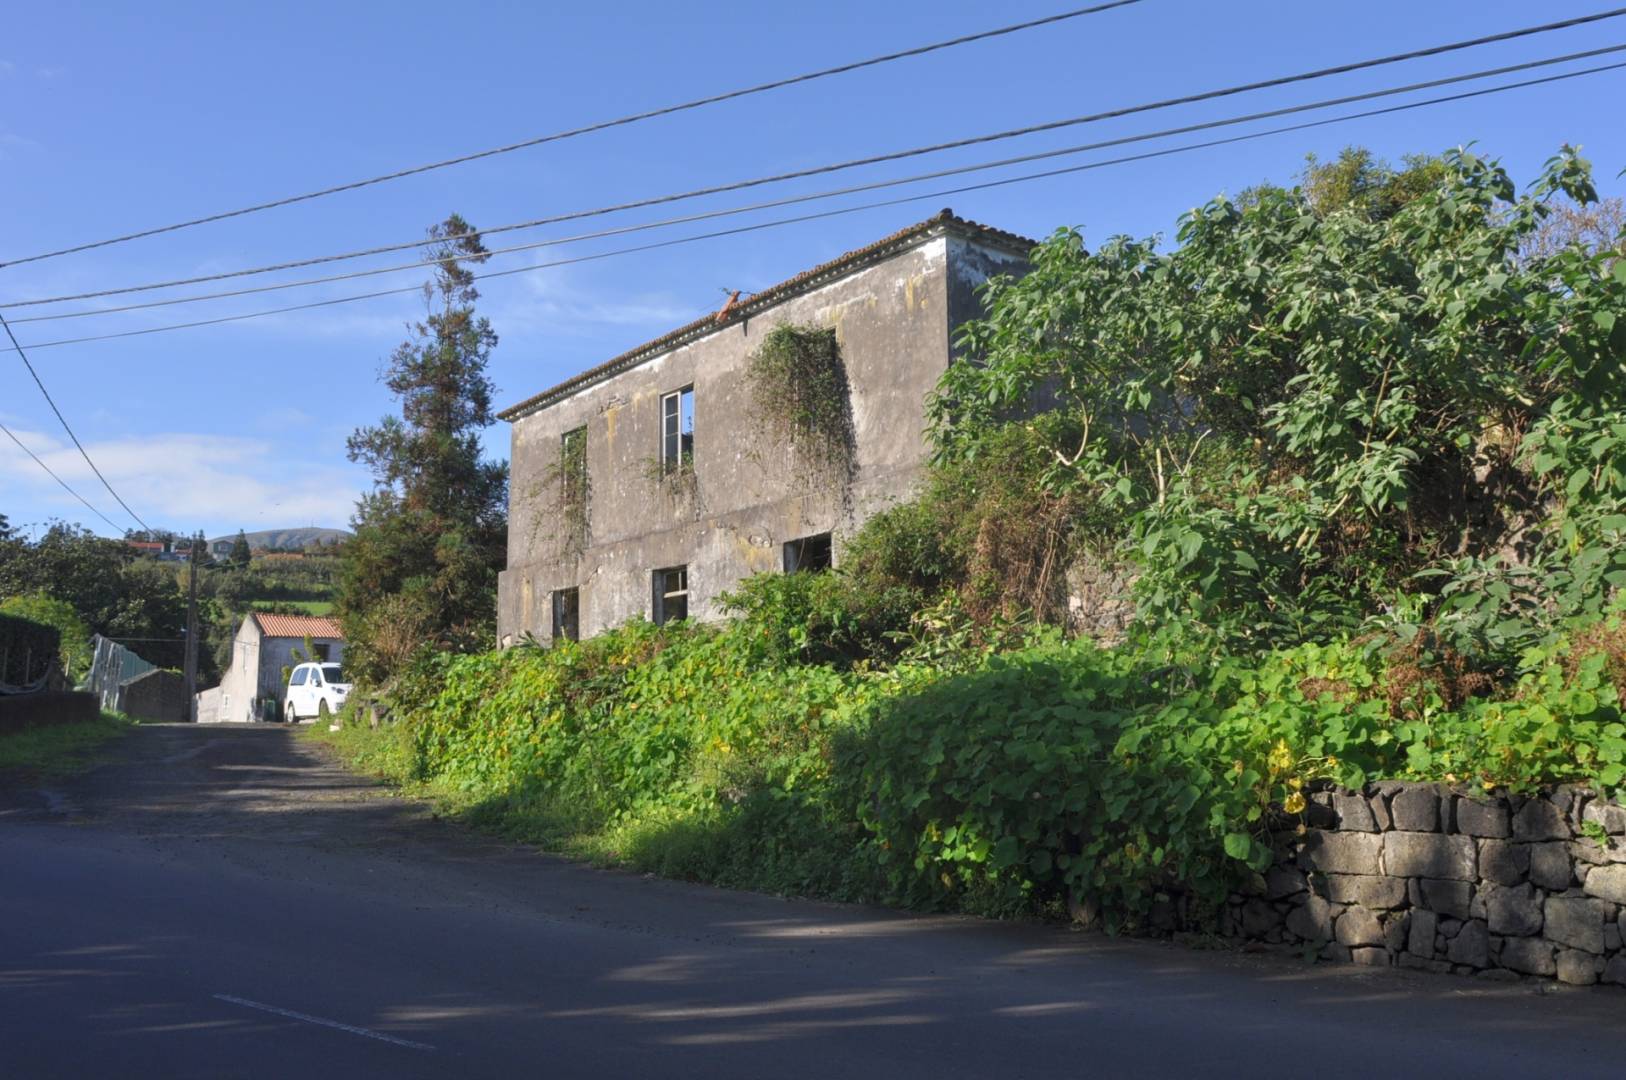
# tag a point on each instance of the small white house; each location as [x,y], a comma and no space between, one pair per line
[265,645]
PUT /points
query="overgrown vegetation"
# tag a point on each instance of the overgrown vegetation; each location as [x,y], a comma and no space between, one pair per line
[801,400]
[1317,418]
[1364,457]
[30,649]
[565,495]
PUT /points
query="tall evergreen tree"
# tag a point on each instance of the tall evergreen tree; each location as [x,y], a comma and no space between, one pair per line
[240,553]
[430,536]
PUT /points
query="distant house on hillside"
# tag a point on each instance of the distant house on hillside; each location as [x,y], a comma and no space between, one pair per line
[650,484]
[264,645]
[146,547]
[221,549]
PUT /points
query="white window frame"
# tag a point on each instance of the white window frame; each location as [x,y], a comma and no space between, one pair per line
[677,445]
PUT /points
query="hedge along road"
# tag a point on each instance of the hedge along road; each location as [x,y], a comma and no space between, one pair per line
[223,901]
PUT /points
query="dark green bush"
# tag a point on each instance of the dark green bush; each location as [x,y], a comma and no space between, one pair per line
[29,650]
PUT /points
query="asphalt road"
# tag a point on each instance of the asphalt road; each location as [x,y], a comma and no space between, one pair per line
[222,901]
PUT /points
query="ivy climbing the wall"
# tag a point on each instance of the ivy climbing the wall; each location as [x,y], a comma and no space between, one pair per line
[563,495]
[800,396]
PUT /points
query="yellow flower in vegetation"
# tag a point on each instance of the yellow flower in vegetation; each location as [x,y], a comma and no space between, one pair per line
[1294,803]
[1280,759]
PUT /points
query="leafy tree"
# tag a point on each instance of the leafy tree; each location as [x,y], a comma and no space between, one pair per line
[430,536]
[115,593]
[11,542]
[1331,405]
[240,553]
[41,607]
[1359,181]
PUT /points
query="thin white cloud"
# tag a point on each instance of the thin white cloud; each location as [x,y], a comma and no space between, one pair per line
[184,480]
[556,300]
[281,419]
[11,142]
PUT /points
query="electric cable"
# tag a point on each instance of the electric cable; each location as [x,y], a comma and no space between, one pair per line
[59,480]
[1169,151]
[770,204]
[64,421]
[882,158]
[586,129]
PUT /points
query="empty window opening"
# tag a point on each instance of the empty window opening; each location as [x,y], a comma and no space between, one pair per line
[808,553]
[322,650]
[677,430]
[671,595]
[567,614]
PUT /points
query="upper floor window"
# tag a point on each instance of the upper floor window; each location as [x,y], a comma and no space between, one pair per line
[677,430]
[573,466]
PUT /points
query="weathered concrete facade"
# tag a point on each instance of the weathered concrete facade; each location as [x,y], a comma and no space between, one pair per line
[893,307]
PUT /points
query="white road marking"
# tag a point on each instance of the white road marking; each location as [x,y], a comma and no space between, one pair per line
[290,1014]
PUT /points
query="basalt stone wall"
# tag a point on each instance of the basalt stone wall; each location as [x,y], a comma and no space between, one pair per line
[1422,876]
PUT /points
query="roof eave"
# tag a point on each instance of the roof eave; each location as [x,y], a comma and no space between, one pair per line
[940,224]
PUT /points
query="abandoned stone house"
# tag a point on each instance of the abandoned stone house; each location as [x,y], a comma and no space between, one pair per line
[654,482]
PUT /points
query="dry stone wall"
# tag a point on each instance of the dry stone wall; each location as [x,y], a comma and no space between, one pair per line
[1422,876]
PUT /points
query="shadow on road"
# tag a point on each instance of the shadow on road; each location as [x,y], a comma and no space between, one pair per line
[205,867]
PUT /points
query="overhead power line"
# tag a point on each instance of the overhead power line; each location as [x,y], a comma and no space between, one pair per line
[64,421]
[808,197]
[58,479]
[587,129]
[1006,181]
[819,170]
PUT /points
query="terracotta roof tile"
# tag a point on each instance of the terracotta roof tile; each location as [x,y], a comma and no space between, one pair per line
[744,309]
[297,626]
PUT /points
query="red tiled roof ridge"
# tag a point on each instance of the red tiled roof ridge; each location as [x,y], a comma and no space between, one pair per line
[758,301]
[316,626]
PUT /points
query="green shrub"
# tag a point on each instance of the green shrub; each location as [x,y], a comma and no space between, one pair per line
[28,649]
[999,782]
[74,650]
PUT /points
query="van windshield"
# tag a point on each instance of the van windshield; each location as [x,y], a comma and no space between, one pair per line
[332,673]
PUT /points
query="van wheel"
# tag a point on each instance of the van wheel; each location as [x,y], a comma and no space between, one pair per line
[289,715]
[323,713]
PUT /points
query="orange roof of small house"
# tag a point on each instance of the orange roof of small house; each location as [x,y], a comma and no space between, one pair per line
[297,626]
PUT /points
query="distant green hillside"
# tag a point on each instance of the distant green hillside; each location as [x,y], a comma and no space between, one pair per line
[288,539]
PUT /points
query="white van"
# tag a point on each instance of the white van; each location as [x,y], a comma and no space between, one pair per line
[314,690]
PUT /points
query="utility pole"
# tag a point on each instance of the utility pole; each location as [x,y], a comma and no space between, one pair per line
[192,629]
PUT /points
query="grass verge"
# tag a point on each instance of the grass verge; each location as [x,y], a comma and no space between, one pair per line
[47,752]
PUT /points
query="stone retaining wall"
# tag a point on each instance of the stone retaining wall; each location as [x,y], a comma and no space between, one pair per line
[1422,876]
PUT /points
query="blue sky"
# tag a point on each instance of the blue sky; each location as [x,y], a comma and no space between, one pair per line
[115,117]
